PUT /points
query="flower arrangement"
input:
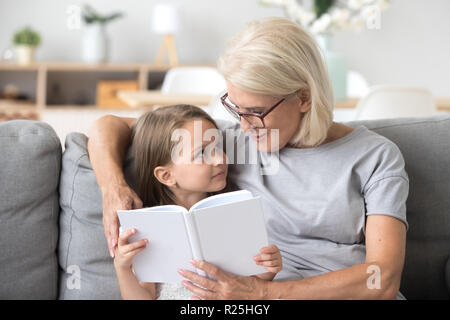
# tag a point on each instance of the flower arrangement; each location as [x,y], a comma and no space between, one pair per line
[330,16]
[96,44]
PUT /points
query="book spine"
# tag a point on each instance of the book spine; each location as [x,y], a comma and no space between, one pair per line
[194,240]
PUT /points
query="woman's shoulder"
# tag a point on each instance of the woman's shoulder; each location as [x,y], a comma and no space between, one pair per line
[363,135]
[368,147]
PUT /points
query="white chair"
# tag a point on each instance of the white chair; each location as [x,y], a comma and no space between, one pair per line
[199,80]
[195,80]
[357,85]
[384,102]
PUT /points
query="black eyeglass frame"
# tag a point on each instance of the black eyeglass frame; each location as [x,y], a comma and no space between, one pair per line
[238,114]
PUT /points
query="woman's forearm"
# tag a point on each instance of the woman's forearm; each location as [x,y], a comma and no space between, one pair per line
[130,287]
[356,282]
[109,138]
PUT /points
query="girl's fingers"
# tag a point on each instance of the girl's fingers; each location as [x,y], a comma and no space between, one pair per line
[269,263]
[123,238]
[269,249]
[132,253]
[265,257]
[135,245]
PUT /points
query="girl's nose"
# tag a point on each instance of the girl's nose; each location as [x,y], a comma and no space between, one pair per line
[219,157]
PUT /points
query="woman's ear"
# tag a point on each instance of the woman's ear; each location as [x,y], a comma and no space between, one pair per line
[165,176]
[304,97]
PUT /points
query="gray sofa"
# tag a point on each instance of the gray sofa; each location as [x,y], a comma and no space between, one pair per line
[52,244]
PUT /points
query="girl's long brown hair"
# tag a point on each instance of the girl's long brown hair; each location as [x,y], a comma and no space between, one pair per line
[152,146]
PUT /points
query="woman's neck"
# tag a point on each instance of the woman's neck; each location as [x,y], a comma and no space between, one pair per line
[187,199]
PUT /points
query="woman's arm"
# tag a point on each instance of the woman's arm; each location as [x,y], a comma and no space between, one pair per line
[108,142]
[385,252]
[378,278]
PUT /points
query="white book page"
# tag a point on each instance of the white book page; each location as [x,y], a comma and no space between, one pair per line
[165,208]
[168,249]
[232,234]
[222,198]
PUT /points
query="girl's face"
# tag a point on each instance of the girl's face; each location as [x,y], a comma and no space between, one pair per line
[285,117]
[206,170]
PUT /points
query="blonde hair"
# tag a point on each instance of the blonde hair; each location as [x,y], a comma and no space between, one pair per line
[151,146]
[276,57]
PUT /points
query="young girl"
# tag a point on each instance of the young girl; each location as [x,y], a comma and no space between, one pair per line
[162,181]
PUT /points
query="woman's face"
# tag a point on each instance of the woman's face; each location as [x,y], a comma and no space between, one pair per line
[285,117]
[206,168]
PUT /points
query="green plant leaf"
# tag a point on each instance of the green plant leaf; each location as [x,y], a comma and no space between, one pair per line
[27,37]
[322,6]
[90,15]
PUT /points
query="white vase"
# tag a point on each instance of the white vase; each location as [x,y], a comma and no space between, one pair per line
[337,67]
[25,54]
[95,44]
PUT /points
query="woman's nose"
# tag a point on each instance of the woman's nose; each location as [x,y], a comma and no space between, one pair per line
[245,125]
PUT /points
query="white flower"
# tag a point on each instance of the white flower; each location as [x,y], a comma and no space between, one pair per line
[355,4]
[305,17]
[370,12]
[339,17]
[344,14]
[382,4]
[273,2]
[357,22]
[292,8]
[321,25]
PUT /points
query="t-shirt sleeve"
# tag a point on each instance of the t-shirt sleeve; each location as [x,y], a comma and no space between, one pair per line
[387,189]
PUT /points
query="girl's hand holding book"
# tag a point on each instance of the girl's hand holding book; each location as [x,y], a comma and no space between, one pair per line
[125,251]
[270,258]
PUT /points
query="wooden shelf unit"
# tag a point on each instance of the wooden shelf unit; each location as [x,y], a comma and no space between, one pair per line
[42,69]
[142,70]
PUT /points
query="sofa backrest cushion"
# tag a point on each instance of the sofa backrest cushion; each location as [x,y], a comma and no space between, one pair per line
[425,145]
[30,160]
[87,270]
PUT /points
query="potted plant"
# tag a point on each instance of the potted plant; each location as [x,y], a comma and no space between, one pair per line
[95,41]
[26,40]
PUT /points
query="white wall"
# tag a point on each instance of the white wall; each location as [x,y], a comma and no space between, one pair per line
[412,47]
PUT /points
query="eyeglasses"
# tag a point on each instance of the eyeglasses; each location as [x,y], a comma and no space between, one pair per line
[256,120]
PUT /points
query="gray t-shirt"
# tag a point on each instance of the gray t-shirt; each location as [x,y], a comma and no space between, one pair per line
[316,203]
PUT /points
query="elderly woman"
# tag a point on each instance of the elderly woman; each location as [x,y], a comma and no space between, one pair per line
[335,206]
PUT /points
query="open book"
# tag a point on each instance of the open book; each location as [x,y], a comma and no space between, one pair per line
[227,230]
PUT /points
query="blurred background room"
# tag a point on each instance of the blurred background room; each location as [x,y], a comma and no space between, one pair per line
[68,62]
